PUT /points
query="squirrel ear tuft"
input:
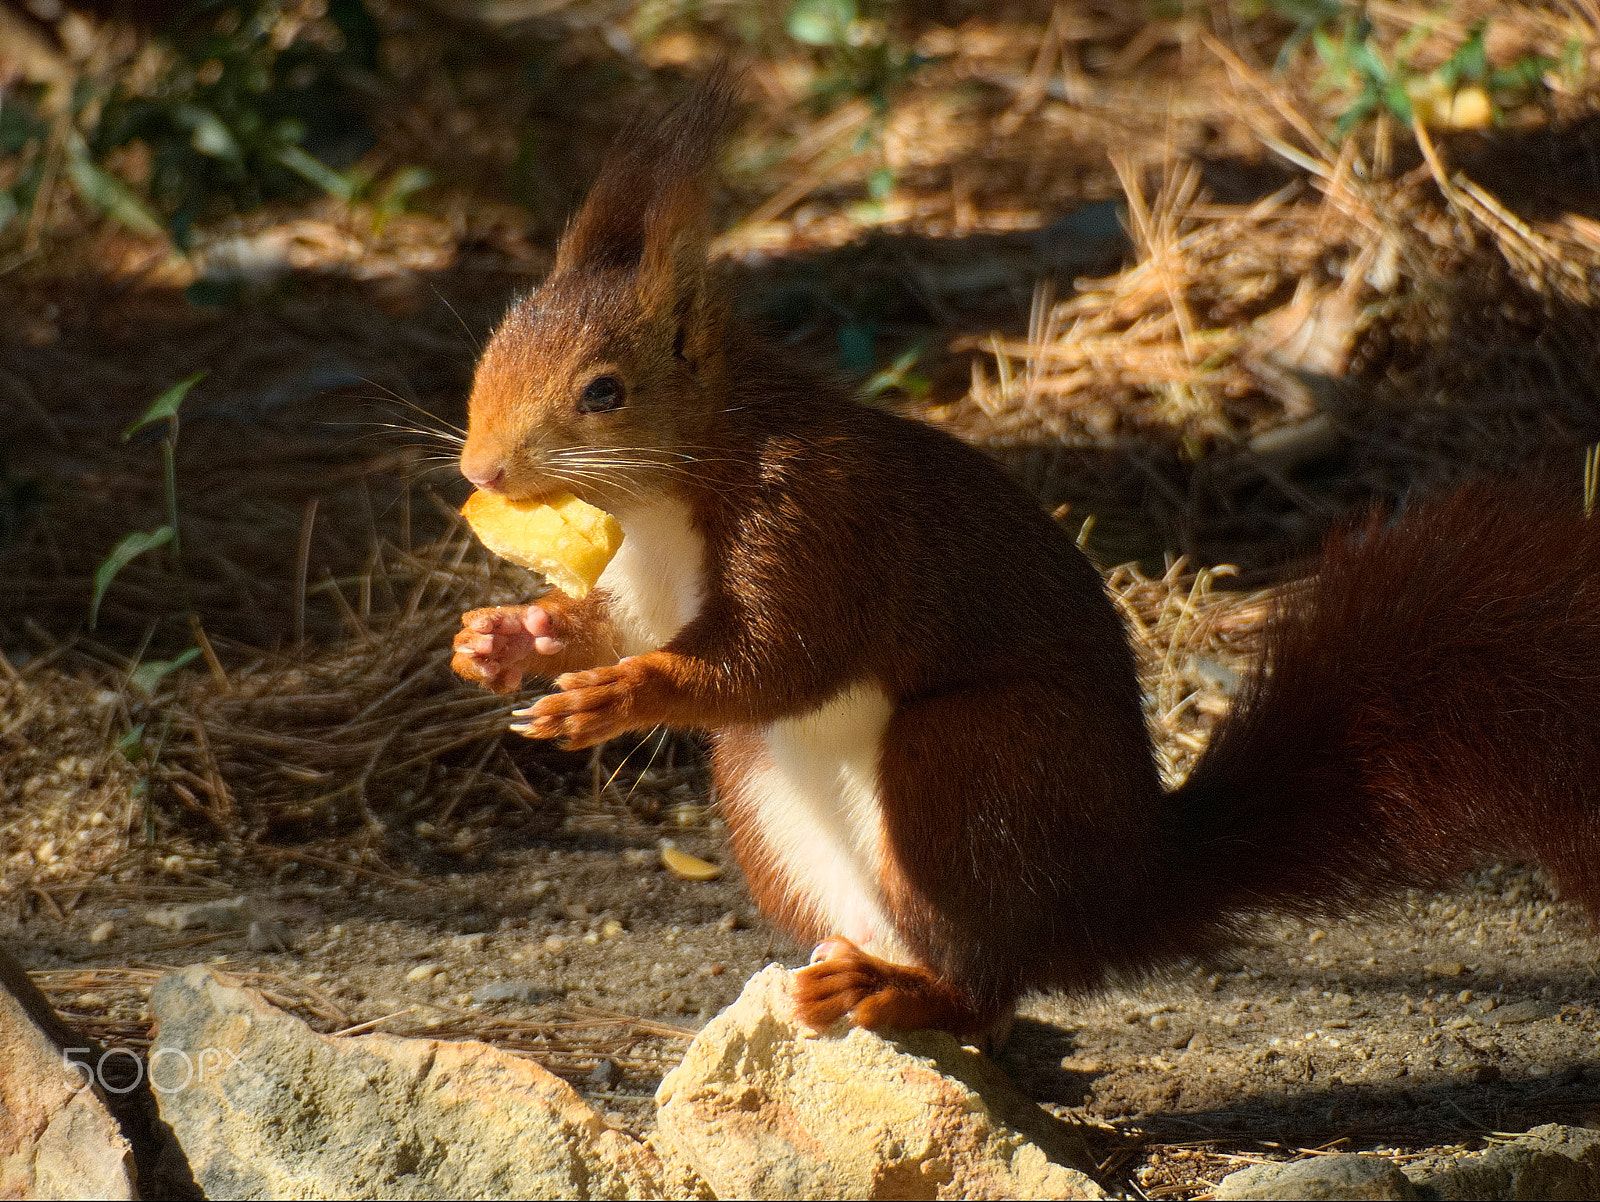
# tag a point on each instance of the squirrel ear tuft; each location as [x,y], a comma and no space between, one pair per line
[647,210]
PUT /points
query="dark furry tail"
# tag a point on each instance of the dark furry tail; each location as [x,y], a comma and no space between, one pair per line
[1431,701]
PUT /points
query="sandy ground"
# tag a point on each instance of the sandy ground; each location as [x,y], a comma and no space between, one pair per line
[1463,1013]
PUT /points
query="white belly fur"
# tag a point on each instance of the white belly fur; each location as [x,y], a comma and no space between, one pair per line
[817,802]
[657,580]
[815,793]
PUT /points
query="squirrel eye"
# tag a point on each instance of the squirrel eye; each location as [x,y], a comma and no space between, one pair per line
[601,395]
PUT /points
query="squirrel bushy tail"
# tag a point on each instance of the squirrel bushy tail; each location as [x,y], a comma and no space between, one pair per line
[1429,702]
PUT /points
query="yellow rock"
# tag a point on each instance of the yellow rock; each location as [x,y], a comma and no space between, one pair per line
[566,540]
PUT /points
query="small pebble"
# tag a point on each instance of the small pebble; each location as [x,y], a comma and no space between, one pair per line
[469,943]
[611,929]
[591,937]
[422,972]
[1444,968]
[729,922]
[554,944]
[102,932]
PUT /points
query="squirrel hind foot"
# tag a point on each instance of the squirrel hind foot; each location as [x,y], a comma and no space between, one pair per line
[842,981]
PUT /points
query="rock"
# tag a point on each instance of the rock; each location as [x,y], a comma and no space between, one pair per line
[760,1108]
[1552,1161]
[216,916]
[1519,1012]
[269,935]
[1343,1176]
[266,1107]
[507,991]
[58,1139]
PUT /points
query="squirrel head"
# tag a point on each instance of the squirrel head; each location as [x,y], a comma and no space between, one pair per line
[601,382]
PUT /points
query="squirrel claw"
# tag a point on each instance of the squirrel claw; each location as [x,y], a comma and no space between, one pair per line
[593,706]
[842,981]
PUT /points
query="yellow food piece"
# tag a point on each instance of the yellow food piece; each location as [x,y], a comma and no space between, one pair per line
[566,540]
[690,868]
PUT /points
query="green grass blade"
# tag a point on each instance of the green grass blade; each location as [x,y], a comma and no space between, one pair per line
[318,172]
[147,676]
[125,552]
[164,406]
[110,195]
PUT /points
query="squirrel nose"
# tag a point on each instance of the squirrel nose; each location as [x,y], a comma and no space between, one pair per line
[488,478]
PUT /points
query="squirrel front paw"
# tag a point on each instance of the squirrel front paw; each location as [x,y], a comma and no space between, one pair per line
[496,646]
[596,705]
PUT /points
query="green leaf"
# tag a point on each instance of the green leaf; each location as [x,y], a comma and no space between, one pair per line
[207,133]
[1356,113]
[1398,101]
[125,552]
[318,172]
[1330,52]
[1470,61]
[164,406]
[880,183]
[109,194]
[1364,58]
[148,675]
[1526,72]
[898,375]
[400,187]
[131,744]
[820,22]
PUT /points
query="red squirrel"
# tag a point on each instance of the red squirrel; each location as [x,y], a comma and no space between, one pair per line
[923,712]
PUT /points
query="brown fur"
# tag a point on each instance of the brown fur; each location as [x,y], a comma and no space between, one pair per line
[1433,702]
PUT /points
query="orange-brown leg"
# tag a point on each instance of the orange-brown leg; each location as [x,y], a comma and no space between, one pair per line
[844,981]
